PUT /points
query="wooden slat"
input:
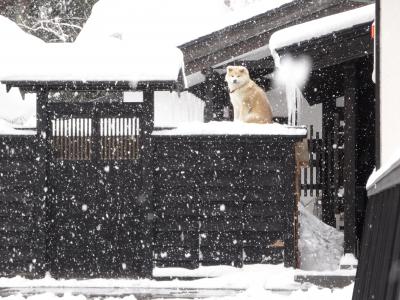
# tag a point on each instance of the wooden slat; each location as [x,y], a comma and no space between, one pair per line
[336,159]
[318,162]
[311,167]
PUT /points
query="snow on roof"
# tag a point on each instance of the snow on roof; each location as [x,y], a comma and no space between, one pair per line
[322,26]
[27,58]
[233,128]
[16,110]
[111,60]
[7,128]
[377,175]
[173,21]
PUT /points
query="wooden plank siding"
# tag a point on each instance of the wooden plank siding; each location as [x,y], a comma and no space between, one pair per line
[224,200]
[378,271]
[22,216]
[210,200]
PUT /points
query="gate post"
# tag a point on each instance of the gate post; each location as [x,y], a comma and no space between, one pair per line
[43,135]
[96,136]
[349,183]
[145,197]
[328,109]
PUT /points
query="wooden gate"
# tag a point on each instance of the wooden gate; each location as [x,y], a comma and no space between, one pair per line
[323,177]
[95,213]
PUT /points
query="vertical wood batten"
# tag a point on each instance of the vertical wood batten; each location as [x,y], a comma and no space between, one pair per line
[311,149]
[336,159]
[318,164]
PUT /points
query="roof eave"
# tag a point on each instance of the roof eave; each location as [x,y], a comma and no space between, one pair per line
[255,32]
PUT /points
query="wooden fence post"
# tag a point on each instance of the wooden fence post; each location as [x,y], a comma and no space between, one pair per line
[328,108]
[43,135]
[349,157]
[145,197]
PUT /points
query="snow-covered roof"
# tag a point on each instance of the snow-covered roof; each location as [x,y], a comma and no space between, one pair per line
[233,128]
[322,26]
[111,60]
[173,21]
[379,175]
[27,58]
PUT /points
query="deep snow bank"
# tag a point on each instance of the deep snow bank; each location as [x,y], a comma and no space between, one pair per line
[320,245]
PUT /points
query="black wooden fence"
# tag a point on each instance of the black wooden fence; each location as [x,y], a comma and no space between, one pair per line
[108,198]
[224,200]
[22,221]
[97,220]
[312,175]
[323,177]
[72,138]
[378,273]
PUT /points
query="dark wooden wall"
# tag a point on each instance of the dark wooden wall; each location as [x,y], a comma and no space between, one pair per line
[22,215]
[378,273]
[224,200]
[203,200]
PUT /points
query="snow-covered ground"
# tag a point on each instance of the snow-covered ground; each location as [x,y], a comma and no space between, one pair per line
[252,282]
[254,293]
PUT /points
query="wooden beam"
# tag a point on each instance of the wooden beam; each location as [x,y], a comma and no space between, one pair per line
[328,114]
[209,96]
[145,199]
[365,142]
[148,112]
[350,108]
[43,135]
[37,86]
[86,109]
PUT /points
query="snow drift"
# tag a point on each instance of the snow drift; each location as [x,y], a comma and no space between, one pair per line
[321,246]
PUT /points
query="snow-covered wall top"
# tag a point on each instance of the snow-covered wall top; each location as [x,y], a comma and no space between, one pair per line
[233,128]
[322,26]
[174,21]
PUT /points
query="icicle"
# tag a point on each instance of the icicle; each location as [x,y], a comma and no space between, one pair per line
[291,74]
